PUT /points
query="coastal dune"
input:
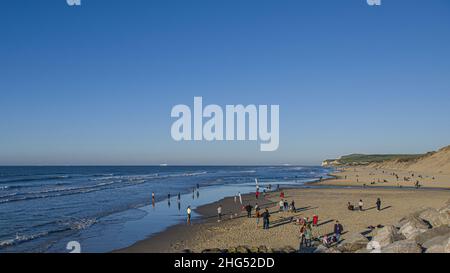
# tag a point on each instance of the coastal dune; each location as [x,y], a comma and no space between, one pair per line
[433,162]
[430,170]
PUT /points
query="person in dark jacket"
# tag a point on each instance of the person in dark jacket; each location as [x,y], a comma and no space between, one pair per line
[249,208]
[265,215]
[338,228]
[378,204]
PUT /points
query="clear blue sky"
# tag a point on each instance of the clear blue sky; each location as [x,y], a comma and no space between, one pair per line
[95,84]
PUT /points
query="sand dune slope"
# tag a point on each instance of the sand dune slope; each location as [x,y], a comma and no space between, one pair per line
[434,162]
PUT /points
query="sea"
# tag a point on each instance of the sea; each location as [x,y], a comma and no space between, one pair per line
[105,208]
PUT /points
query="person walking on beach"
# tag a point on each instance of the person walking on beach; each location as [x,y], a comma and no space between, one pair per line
[302,236]
[188,211]
[235,198]
[219,213]
[248,208]
[281,204]
[282,195]
[240,197]
[258,215]
[308,236]
[378,204]
[338,228]
[266,216]
[360,205]
[293,209]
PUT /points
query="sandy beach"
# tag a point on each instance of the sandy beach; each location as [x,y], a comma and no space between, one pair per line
[373,177]
[330,204]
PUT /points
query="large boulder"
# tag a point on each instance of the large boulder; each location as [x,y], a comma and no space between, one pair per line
[232,250]
[440,240]
[262,249]
[435,249]
[433,236]
[431,216]
[444,215]
[353,242]
[447,246]
[242,249]
[324,249]
[412,227]
[385,236]
[321,249]
[288,249]
[405,246]
[212,250]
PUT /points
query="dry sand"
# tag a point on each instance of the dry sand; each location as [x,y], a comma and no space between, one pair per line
[328,203]
[369,176]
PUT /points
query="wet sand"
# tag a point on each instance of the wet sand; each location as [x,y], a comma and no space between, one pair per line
[330,204]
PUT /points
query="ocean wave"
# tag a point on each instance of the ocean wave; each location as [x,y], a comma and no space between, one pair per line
[82,223]
[74,225]
[122,181]
[21,238]
[52,193]
[40,178]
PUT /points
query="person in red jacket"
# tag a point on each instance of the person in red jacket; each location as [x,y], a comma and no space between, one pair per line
[282,195]
[315,220]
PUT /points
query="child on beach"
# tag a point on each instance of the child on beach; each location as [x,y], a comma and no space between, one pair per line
[308,236]
[281,204]
[302,236]
[360,205]
[350,206]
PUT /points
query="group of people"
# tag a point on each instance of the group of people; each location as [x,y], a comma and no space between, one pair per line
[306,234]
[350,206]
[285,206]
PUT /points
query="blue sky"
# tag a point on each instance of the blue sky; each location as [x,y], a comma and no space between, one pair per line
[95,84]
